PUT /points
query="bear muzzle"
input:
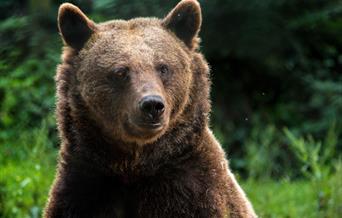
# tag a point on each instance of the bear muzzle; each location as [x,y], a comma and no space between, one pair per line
[149,118]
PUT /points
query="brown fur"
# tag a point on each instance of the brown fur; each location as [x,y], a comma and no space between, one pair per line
[111,167]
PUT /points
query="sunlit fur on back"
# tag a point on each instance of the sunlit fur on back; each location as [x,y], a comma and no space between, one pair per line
[115,160]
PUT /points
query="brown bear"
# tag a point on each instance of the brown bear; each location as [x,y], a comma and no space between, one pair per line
[133,111]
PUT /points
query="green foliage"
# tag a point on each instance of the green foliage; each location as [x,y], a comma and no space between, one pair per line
[333,190]
[27,169]
[277,61]
[318,163]
[263,148]
[317,196]
[290,156]
[26,85]
[314,155]
[301,198]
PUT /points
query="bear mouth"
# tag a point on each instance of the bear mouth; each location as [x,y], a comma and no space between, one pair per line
[141,129]
[150,125]
[147,126]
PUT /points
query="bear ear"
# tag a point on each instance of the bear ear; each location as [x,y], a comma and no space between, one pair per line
[185,21]
[74,26]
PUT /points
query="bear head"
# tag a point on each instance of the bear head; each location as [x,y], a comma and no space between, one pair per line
[135,77]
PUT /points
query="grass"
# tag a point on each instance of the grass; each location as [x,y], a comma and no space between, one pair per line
[282,198]
[292,199]
[27,170]
[28,167]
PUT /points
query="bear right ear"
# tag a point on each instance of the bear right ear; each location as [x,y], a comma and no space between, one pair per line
[74,26]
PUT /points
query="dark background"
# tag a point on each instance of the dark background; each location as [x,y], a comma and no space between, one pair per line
[277,89]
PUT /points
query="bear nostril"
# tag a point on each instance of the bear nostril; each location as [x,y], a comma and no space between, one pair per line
[159,106]
[152,105]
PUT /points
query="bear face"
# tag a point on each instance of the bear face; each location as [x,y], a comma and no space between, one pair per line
[133,89]
[132,86]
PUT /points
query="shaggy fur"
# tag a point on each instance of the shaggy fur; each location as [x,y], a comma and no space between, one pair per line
[108,165]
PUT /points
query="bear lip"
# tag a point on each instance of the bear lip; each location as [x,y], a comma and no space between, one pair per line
[148,129]
[150,125]
[147,126]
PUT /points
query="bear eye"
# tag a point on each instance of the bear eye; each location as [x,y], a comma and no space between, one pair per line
[120,72]
[163,69]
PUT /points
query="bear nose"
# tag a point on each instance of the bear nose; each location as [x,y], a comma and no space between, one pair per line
[152,106]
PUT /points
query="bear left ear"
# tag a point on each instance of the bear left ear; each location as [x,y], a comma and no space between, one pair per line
[185,21]
[75,27]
